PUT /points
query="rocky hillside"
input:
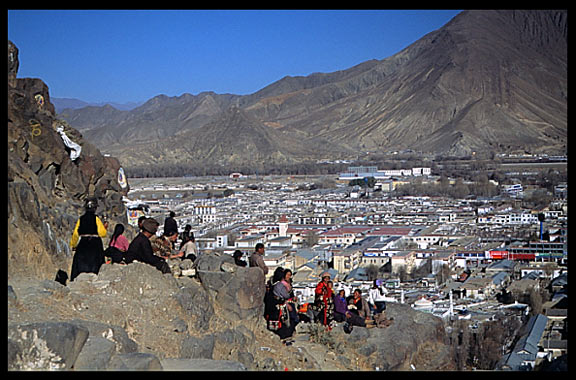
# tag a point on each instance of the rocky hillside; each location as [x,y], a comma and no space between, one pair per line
[487,81]
[46,187]
[132,317]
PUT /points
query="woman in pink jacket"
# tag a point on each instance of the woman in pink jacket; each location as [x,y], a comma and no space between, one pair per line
[118,244]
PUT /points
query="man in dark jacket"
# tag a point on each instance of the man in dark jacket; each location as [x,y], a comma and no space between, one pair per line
[170,226]
[170,223]
[141,249]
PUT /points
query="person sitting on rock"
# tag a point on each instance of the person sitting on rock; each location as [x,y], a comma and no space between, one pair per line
[340,306]
[358,310]
[140,248]
[162,245]
[237,255]
[189,250]
[377,297]
[186,235]
[118,245]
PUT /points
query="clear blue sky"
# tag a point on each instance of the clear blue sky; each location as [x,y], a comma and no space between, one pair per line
[134,55]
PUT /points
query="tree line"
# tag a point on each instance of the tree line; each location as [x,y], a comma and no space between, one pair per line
[481,187]
[206,169]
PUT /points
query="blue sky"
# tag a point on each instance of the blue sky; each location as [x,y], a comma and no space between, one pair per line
[134,55]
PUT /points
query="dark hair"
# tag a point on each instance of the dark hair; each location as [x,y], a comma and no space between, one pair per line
[91,204]
[172,214]
[188,227]
[258,246]
[118,230]
[170,233]
[278,275]
[237,253]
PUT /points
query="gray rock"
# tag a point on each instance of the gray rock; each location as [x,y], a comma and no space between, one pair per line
[11,293]
[195,302]
[246,358]
[197,348]
[95,354]
[178,325]
[231,337]
[135,361]
[240,294]
[13,350]
[201,365]
[113,333]
[186,264]
[46,345]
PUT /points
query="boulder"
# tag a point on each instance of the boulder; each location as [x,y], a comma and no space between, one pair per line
[95,354]
[136,361]
[239,293]
[414,338]
[115,334]
[195,302]
[197,348]
[45,345]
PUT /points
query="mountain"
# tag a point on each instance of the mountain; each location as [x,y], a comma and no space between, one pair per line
[487,81]
[60,104]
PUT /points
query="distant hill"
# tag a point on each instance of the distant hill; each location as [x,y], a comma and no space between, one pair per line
[487,81]
[63,103]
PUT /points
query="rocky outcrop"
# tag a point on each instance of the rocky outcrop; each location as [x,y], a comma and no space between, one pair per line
[133,317]
[47,184]
[414,340]
[239,296]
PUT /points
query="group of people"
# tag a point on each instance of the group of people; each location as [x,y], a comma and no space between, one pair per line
[146,247]
[281,308]
[354,310]
[283,312]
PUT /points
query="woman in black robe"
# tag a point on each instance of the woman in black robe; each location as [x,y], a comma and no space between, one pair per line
[87,240]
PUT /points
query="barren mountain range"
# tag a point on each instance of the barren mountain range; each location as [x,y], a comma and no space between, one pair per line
[487,81]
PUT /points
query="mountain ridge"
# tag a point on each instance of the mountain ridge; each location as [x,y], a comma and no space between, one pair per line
[487,81]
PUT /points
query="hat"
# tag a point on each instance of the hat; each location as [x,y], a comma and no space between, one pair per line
[325,274]
[150,225]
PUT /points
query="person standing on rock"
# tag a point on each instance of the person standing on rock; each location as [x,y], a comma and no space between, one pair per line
[170,225]
[141,249]
[257,258]
[87,241]
[323,300]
